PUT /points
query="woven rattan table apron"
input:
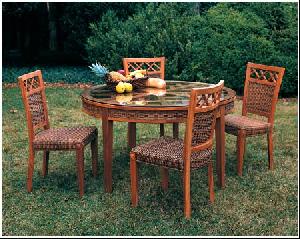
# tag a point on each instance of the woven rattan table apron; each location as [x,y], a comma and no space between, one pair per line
[150,105]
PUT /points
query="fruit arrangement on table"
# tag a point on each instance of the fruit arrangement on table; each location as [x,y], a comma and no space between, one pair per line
[120,83]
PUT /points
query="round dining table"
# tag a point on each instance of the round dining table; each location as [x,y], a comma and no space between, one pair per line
[151,105]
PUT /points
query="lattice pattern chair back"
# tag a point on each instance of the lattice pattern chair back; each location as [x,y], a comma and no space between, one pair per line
[261,89]
[202,115]
[34,99]
[155,66]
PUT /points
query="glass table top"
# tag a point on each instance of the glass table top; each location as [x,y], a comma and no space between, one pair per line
[177,93]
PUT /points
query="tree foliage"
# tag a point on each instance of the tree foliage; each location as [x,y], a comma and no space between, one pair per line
[209,45]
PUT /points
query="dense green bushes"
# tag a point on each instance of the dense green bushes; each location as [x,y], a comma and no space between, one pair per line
[210,46]
[52,74]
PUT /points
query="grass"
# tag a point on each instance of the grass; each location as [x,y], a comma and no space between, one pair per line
[260,203]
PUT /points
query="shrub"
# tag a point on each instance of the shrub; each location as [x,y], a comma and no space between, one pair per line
[156,31]
[52,74]
[210,46]
[226,40]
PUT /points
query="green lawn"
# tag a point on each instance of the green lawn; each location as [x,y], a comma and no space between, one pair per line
[262,202]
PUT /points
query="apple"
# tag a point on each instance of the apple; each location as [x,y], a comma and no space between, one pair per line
[121,72]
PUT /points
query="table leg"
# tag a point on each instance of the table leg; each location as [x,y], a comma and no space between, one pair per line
[175,130]
[107,129]
[131,135]
[220,147]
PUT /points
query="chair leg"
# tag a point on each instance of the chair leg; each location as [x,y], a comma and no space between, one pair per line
[80,169]
[30,169]
[164,172]
[161,130]
[175,130]
[241,140]
[270,150]
[164,178]
[45,163]
[133,179]
[187,192]
[211,183]
[94,149]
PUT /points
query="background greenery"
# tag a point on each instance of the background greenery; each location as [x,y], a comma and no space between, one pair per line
[261,203]
[210,46]
[201,41]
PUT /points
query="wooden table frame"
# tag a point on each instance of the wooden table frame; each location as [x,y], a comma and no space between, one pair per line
[158,115]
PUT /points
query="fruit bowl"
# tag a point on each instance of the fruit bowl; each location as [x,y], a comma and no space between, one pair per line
[136,82]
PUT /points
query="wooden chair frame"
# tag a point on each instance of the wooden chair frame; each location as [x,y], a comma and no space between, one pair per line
[256,73]
[161,72]
[33,83]
[149,62]
[197,105]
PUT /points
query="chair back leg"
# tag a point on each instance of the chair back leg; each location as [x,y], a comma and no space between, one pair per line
[270,150]
[241,140]
[45,163]
[30,169]
[164,172]
[94,149]
[80,168]
[133,180]
[161,130]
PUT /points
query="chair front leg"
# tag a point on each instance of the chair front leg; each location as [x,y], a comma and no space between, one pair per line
[133,180]
[30,168]
[211,183]
[94,149]
[270,149]
[80,168]
[241,140]
[164,172]
[45,163]
[187,191]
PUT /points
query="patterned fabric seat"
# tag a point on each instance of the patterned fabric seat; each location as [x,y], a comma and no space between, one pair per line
[170,153]
[64,138]
[233,123]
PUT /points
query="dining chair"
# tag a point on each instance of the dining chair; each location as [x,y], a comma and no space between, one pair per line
[43,138]
[261,89]
[193,152]
[156,68]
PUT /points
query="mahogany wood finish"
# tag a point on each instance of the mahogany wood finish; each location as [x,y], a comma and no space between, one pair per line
[200,126]
[39,132]
[261,90]
[159,107]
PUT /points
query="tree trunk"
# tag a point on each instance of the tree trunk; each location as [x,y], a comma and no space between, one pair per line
[52,27]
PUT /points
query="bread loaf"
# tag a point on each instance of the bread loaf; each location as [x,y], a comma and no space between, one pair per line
[156,83]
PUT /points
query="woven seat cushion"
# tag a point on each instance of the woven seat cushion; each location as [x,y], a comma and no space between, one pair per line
[168,152]
[64,138]
[233,123]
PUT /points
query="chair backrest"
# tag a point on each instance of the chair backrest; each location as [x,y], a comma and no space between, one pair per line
[261,90]
[201,119]
[154,66]
[34,99]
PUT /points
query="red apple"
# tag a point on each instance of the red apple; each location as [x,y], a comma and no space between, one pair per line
[121,72]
